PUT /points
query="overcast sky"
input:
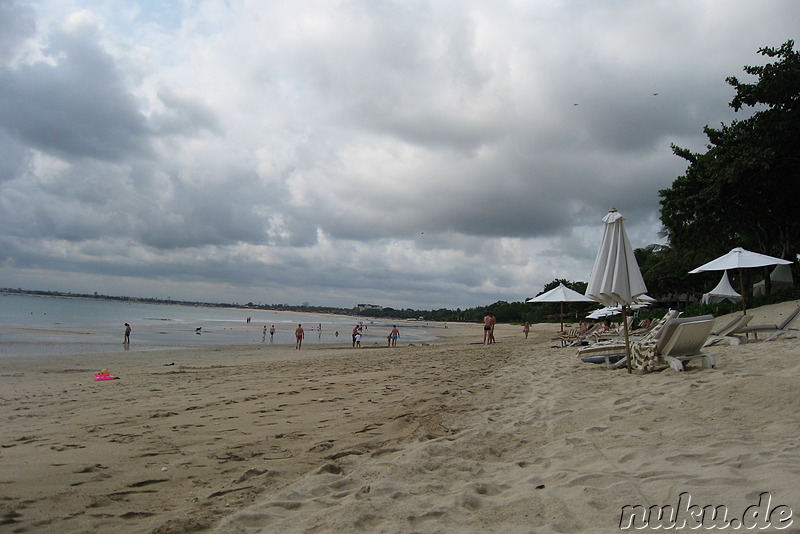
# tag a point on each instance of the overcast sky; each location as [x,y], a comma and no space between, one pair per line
[406,153]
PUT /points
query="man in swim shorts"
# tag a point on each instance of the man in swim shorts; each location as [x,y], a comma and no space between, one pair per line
[299,334]
[395,334]
[487,329]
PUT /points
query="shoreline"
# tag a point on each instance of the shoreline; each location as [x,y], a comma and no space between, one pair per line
[446,436]
[57,340]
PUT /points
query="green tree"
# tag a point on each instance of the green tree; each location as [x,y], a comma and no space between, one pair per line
[743,190]
[666,271]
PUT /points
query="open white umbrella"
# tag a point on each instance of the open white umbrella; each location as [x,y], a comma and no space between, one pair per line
[616,278]
[561,294]
[614,310]
[740,258]
[604,312]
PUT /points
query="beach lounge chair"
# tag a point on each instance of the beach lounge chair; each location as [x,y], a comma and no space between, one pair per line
[610,350]
[612,334]
[584,338]
[731,331]
[678,341]
[571,335]
[775,330]
[686,343]
[669,342]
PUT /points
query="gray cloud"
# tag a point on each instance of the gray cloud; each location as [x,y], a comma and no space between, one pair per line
[429,154]
[17,25]
[78,107]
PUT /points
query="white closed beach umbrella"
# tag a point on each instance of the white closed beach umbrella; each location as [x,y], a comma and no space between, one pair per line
[739,258]
[616,278]
[561,294]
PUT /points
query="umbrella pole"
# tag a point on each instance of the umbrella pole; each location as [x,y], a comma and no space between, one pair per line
[744,297]
[627,340]
[561,316]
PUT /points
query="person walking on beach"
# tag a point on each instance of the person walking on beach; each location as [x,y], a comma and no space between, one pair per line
[127,339]
[487,328]
[356,332]
[357,340]
[395,334]
[489,320]
[271,333]
[299,334]
[526,329]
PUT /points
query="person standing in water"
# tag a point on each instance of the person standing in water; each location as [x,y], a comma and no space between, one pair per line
[127,340]
[299,334]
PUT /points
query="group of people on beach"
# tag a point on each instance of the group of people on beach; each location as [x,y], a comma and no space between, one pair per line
[391,339]
[357,333]
[300,335]
[271,334]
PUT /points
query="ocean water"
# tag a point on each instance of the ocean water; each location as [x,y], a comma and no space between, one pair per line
[31,324]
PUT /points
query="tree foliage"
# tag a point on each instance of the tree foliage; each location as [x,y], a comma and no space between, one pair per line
[743,190]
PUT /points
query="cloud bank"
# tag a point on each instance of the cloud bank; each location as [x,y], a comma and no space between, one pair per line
[407,153]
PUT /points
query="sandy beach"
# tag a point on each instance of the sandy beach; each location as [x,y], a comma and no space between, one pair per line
[447,436]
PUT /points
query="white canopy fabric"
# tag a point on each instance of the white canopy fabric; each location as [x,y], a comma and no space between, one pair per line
[614,310]
[739,258]
[615,277]
[724,290]
[782,273]
[781,278]
[560,294]
[603,312]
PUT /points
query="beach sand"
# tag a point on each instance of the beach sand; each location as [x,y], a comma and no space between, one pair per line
[449,436]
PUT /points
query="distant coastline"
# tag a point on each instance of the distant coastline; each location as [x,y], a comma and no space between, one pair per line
[514,312]
[324,310]
[368,311]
